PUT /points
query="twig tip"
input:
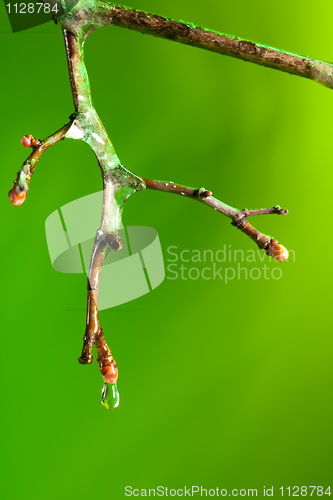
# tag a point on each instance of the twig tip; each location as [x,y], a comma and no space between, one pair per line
[277,251]
[16,198]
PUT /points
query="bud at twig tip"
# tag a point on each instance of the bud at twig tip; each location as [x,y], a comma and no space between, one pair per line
[109,372]
[27,140]
[277,251]
[15,198]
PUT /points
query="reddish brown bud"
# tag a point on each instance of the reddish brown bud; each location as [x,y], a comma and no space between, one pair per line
[278,252]
[27,140]
[17,198]
[110,372]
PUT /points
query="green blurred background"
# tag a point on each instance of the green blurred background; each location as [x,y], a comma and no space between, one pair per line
[225,386]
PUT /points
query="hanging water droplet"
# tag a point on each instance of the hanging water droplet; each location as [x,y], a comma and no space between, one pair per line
[110,396]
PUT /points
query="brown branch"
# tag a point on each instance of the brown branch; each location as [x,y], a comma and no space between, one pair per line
[239,217]
[71,47]
[87,16]
[266,211]
[94,332]
[100,250]
[77,22]
[18,193]
[103,245]
[224,44]
[118,184]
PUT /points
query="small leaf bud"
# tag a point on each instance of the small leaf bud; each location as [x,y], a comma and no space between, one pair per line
[27,140]
[110,373]
[15,198]
[278,252]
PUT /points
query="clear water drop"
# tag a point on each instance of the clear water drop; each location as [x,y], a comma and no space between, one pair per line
[110,396]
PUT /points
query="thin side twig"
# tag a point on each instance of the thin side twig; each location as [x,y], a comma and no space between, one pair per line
[266,211]
[24,175]
[239,217]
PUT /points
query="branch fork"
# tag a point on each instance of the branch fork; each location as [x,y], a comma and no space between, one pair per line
[78,19]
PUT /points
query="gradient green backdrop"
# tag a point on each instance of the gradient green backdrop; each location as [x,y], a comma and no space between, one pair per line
[225,386]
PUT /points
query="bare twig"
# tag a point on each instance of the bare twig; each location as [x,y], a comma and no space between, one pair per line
[239,217]
[224,44]
[87,16]
[102,247]
[21,183]
[94,332]
[266,211]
